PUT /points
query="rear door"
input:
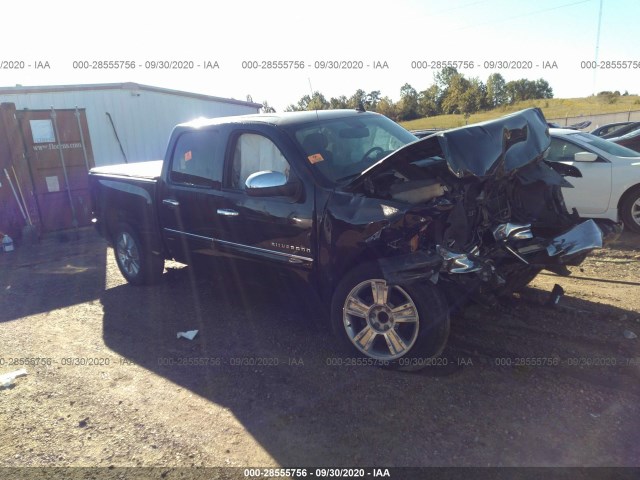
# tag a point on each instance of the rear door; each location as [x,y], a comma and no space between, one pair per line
[270,229]
[190,193]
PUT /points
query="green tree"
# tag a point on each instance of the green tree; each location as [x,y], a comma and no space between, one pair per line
[523,89]
[408,104]
[340,102]
[429,101]
[543,90]
[454,97]
[318,102]
[386,107]
[519,90]
[300,106]
[373,97]
[266,108]
[358,98]
[315,102]
[443,77]
[496,94]
[474,97]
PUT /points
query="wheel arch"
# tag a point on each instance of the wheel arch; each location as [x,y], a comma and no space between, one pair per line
[629,191]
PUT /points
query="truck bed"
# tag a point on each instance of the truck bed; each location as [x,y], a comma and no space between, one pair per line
[147,170]
[125,193]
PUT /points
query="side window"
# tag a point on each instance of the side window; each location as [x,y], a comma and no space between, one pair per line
[255,153]
[561,150]
[196,160]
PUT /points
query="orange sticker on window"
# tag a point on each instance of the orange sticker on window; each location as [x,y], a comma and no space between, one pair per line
[315,158]
[187,156]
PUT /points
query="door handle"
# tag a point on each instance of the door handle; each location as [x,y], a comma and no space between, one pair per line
[171,202]
[227,212]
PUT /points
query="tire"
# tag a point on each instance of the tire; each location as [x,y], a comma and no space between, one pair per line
[517,276]
[138,265]
[400,326]
[630,210]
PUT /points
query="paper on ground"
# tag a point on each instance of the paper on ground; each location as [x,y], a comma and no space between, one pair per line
[7,379]
[189,335]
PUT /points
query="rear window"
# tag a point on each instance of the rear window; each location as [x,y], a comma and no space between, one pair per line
[197,159]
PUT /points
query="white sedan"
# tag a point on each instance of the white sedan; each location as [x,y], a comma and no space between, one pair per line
[610,184]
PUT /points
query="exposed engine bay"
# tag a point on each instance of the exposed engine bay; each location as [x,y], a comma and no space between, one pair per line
[491,213]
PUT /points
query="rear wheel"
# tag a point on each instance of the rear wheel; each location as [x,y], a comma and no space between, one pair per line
[630,210]
[135,260]
[398,326]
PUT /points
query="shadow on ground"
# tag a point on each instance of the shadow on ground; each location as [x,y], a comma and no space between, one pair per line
[318,411]
[65,268]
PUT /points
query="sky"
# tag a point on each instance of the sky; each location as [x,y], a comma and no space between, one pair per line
[401,36]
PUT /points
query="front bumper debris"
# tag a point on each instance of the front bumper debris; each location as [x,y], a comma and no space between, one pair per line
[580,240]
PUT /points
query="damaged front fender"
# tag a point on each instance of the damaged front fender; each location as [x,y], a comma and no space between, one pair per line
[410,268]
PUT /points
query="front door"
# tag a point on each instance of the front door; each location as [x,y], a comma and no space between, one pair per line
[592,191]
[274,229]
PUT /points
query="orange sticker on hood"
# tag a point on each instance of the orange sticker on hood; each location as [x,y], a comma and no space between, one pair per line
[315,158]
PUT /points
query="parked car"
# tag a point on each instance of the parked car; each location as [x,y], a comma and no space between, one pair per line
[623,130]
[575,126]
[608,128]
[630,140]
[426,132]
[387,230]
[610,184]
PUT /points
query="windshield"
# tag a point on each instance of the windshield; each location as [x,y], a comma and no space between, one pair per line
[342,148]
[605,145]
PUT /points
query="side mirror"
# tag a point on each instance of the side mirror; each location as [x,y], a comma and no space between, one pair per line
[270,184]
[585,157]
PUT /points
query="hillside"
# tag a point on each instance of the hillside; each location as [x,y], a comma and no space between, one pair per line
[552,108]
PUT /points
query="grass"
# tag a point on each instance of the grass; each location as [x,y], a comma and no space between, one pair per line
[552,108]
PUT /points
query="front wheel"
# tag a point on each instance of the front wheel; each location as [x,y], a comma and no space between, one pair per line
[389,324]
[630,210]
[517,276]
[135,260]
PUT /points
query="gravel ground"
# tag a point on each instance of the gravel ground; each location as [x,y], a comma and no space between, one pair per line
[108,384]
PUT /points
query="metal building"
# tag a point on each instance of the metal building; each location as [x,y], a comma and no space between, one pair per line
[127,121]
[51,136]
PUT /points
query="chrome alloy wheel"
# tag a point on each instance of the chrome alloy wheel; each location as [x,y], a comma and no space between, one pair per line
[635,211]
[128,254]
[381,321]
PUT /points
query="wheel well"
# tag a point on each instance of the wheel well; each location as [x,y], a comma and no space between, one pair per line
[631,190]
[355,262]
[113,220]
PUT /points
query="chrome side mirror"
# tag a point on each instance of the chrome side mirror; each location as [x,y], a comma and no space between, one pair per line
[265,179]
[268,183]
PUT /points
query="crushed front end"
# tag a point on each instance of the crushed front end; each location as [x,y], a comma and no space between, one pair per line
[475,209]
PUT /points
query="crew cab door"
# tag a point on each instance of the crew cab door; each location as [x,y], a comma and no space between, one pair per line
[275,229]
[190,193]
[592,192]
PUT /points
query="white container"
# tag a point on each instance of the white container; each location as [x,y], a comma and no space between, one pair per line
[7,244]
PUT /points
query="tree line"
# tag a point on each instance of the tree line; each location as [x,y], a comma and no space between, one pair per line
[451,92]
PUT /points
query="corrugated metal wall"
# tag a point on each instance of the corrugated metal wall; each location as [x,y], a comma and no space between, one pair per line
[143,118]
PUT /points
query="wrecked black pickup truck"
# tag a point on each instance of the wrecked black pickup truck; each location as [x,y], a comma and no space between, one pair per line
[391,232]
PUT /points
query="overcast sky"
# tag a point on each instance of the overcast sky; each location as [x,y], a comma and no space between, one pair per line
[398,33]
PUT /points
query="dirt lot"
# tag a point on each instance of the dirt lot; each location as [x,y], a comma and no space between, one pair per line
[109,384]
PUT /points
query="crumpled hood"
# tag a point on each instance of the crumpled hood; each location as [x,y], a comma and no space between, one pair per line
[496,147]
